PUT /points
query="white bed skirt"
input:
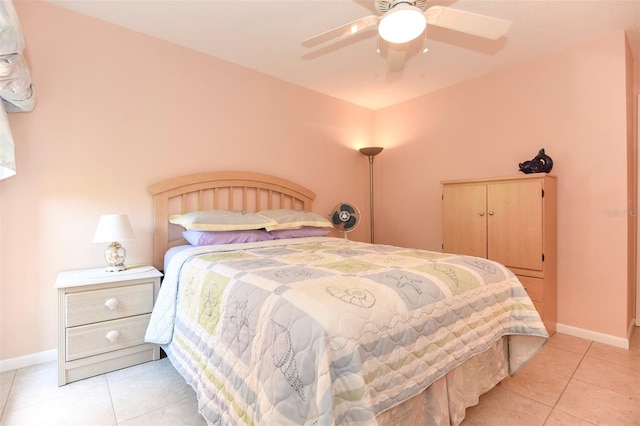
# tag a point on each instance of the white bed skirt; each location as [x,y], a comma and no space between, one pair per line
[445,401]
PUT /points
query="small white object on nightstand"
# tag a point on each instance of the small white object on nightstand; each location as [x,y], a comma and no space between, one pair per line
[102,320]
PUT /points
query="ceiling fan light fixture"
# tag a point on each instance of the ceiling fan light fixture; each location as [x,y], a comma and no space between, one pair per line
[401,24]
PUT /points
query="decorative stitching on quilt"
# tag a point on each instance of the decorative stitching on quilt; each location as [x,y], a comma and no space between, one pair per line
[285,360]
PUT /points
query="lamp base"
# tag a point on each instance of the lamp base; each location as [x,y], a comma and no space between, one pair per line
[115,268]
[114,256]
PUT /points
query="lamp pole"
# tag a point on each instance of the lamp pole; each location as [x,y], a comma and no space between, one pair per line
[371,152]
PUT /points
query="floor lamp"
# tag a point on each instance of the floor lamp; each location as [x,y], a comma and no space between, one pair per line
[371,152]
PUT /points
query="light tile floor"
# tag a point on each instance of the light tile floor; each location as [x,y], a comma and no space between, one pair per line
[571,381]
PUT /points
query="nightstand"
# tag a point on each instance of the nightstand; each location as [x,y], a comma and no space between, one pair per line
[102,320]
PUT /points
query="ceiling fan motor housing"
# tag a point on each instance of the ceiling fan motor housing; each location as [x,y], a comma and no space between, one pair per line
[383,6]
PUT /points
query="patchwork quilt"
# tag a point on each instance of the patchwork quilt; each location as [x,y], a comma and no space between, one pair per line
[329,331]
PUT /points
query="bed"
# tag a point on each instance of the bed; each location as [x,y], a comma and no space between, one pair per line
[322,330]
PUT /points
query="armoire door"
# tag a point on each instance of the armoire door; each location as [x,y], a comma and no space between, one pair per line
[464,219]
[514,223]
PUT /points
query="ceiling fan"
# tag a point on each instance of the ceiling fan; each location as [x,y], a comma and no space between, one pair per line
[404,20]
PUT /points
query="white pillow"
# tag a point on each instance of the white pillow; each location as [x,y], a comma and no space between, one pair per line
[221,220]
[293,219]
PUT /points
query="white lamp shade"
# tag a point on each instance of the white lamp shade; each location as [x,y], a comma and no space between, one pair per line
[401,24]
[113,227]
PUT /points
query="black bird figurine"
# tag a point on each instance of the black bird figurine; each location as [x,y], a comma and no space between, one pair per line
[541,163]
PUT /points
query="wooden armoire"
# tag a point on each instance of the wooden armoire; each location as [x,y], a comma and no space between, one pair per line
[511,220]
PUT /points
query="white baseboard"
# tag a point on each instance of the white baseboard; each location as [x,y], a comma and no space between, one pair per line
[607,339]
[28,360]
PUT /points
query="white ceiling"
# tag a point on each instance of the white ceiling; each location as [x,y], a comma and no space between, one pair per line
[265,35]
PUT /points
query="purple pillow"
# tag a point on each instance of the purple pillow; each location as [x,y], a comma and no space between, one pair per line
[206,238]
[305,231]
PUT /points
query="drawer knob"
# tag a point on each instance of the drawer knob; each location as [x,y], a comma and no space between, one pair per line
[113,335]
[112,304]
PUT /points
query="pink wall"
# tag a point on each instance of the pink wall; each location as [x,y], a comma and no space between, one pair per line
[573,104]
[118,111]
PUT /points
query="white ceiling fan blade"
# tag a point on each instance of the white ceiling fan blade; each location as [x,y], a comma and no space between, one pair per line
[467,22]
[396,59]
[342,31]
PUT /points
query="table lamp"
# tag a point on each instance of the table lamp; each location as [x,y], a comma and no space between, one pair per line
[111,229]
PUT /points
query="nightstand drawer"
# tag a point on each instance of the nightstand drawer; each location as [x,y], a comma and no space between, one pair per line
[533,286]
[93,339]
[89,307]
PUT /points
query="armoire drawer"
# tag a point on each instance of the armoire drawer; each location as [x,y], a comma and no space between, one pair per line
[534,287]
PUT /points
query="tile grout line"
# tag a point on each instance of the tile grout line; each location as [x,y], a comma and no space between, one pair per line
[608,363]
[4,406]
[113,408]
[568,383]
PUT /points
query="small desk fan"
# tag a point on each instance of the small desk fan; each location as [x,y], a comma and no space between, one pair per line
[345,217]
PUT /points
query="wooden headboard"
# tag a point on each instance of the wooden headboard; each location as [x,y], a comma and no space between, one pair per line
[227,190]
